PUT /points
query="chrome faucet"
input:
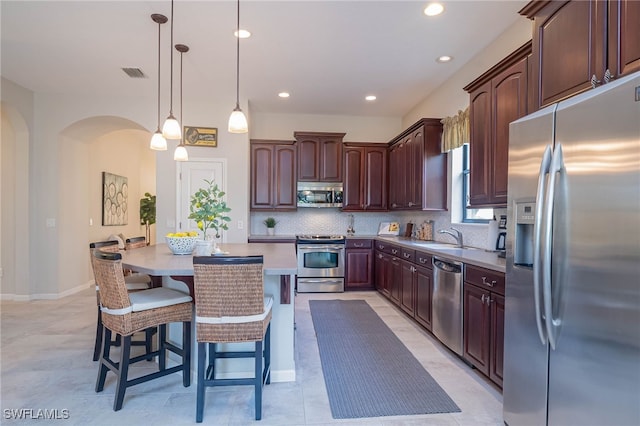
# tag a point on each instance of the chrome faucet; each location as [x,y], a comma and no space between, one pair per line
[457,235]
[350,230]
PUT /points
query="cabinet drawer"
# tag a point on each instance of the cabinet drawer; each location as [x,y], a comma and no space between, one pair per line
[484,278]
[358,243]
[395,251]
[408,254]
[423,259]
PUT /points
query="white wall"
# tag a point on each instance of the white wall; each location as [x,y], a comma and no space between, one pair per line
[450,97]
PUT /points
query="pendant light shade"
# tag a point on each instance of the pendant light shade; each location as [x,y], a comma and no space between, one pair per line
[237,120]
[181,154]
[171,128]
[158,142]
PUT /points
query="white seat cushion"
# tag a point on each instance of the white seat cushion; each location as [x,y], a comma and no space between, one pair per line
[268,303]
[157,298]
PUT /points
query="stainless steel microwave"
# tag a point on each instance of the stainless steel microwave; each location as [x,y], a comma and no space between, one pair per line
[319,194]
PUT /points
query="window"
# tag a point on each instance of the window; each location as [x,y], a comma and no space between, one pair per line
[471,215]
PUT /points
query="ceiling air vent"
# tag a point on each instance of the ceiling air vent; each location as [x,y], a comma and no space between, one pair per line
[134,72]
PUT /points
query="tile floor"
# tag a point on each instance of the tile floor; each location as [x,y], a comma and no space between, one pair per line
[45,363]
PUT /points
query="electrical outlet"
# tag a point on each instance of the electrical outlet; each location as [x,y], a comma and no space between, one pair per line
[240,224]
[51,223]
[90,222]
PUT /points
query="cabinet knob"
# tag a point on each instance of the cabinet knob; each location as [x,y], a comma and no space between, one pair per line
[485,282]
[423,260]
[406,255]
[607,76]
[482,299]
[394,251]
[379,256]
[358,245]
[595,81]
[394,205]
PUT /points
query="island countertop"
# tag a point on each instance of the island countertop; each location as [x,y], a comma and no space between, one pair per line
[279,259]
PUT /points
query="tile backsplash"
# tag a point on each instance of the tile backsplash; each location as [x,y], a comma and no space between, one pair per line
[335,221]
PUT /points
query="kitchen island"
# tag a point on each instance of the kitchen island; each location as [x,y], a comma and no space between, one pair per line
[176,271]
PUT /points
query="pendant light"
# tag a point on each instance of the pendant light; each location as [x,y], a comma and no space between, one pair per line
[158,142]
[237,120]
[171,128]
[180,154]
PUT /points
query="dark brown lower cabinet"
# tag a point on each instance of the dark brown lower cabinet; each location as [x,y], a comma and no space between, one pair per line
[424,290]
[394,279]
[359,264]
[484,323]
[381,267]
[407,287]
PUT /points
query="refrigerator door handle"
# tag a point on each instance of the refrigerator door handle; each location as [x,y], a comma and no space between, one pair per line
[545,164]
[557,166]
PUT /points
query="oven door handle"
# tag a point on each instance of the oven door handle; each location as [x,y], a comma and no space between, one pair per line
[321,247]
[320,280]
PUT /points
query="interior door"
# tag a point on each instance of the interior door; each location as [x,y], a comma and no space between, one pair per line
[192,175]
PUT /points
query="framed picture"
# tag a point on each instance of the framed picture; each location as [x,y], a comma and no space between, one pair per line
[115,199]
[200,136]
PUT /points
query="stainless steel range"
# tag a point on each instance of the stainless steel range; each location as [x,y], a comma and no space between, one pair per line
[320,263]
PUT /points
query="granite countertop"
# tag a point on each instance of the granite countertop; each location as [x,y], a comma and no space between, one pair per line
[469,255]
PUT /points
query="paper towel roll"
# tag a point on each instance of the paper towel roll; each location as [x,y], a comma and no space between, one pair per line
[492,236]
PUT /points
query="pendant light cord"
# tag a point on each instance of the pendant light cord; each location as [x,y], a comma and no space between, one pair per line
[182,138]
[171,53]
[238,59]
[159,26]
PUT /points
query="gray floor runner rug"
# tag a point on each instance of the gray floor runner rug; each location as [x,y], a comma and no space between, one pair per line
[367,370]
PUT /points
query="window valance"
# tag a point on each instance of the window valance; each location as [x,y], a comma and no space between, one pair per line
[455,130]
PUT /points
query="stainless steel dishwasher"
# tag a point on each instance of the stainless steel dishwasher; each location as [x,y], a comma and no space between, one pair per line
[447,303]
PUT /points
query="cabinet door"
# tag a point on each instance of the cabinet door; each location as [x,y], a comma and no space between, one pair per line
[407,287]
[497,338]
[354,178]
[397,176]
[382,267]
[375,179]
[568,48]
[308,153]
[413,167]
[359,266]
[624,37]
[434,190]
[284,179]
[424,291]
[509,103]
[330,160]
[476,328]
[480,121]
[394,279]
[262,165]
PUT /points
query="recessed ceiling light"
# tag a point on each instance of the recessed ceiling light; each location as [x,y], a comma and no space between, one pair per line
[433,9]
[243,34]
[370,97]
[283,94]
[444,58]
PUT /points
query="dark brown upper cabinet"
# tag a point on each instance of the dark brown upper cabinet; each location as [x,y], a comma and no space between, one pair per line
[578,44]
[273,175]
[365,177]
[417,168]
[497,97]
[319,156]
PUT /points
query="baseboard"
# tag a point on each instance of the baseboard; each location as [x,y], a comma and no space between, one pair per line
[46,296]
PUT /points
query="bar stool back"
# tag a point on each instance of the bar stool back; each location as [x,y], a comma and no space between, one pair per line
[231,307]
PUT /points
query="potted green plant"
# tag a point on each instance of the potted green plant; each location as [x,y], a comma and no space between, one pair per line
[209,210]
[270,223]
[148,214]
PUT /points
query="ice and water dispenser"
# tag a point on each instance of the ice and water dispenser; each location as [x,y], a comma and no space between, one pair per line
[523,242]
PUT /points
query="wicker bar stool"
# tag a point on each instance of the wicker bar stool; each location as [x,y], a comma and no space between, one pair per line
[125,313]
[134,282]
[231,307]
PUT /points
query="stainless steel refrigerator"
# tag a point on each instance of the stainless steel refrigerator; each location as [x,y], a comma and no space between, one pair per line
[572,310]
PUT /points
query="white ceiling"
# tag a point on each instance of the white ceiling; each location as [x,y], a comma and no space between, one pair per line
[327,54]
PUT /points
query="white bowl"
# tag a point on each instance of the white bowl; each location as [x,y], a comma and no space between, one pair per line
[181,245]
